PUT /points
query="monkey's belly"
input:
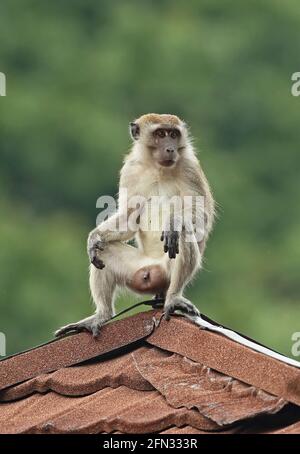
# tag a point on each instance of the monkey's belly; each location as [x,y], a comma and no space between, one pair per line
[151,245]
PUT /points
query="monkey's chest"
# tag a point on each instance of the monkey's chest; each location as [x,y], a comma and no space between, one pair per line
[161,202]
[158,209]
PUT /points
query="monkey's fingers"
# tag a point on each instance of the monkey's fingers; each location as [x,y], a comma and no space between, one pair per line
[94,259]
[172,254]
[166,243]
[98,263]
[173,245]
[170,243]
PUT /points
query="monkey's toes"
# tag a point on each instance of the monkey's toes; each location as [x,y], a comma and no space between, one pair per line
[91,325]
[72,327]
[184,306]
[158,301]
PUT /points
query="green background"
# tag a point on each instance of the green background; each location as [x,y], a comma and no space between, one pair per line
[77,73]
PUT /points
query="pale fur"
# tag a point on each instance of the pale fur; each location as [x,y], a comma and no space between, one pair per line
[143,177]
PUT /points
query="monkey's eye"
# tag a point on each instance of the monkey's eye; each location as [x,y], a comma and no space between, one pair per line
[174,133]
[160,133]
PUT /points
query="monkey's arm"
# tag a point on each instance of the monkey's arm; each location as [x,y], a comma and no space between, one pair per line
[190,241]
[122,226]
[115,228]
[196,216]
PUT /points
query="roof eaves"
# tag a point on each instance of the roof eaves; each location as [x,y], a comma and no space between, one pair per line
[75,349]
[228,357]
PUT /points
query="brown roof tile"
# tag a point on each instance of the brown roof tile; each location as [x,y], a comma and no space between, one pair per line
[82,379]
[269,424]
[281,422]
[179,380]
[75,349]
[192,431]
[183,431]
[185,383]
[226,356]
[121,409]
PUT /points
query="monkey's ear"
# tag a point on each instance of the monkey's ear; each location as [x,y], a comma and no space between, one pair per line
[134,130]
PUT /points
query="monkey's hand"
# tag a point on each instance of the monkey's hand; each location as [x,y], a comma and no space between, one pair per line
[179,303]
[171,242]
[95,246]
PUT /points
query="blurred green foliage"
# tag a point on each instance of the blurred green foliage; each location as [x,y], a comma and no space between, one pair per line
[77,73]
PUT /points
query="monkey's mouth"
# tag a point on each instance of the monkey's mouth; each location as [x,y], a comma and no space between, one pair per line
[167,163]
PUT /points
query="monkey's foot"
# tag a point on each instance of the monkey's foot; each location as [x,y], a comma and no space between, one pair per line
[179,303]
[158,300]
[92,324]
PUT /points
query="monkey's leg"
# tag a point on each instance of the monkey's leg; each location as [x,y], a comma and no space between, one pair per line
[183,268]
[102,285]
[125,265]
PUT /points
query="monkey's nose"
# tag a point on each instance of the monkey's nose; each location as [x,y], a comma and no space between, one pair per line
[170,150]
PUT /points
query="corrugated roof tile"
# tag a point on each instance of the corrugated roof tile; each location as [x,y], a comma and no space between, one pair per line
[121,409]
[186,383]
[163,384]
[75,349]
[226,356]
[83,379]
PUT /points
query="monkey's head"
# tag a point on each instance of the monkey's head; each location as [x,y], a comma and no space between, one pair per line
[163,137]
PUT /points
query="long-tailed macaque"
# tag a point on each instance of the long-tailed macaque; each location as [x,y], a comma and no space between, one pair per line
[168,252]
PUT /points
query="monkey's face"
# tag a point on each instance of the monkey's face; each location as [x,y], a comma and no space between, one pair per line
[163,142]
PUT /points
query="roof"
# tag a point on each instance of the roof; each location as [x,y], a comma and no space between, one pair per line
[146,375]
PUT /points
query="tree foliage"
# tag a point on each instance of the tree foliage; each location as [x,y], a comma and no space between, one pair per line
[77,73]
